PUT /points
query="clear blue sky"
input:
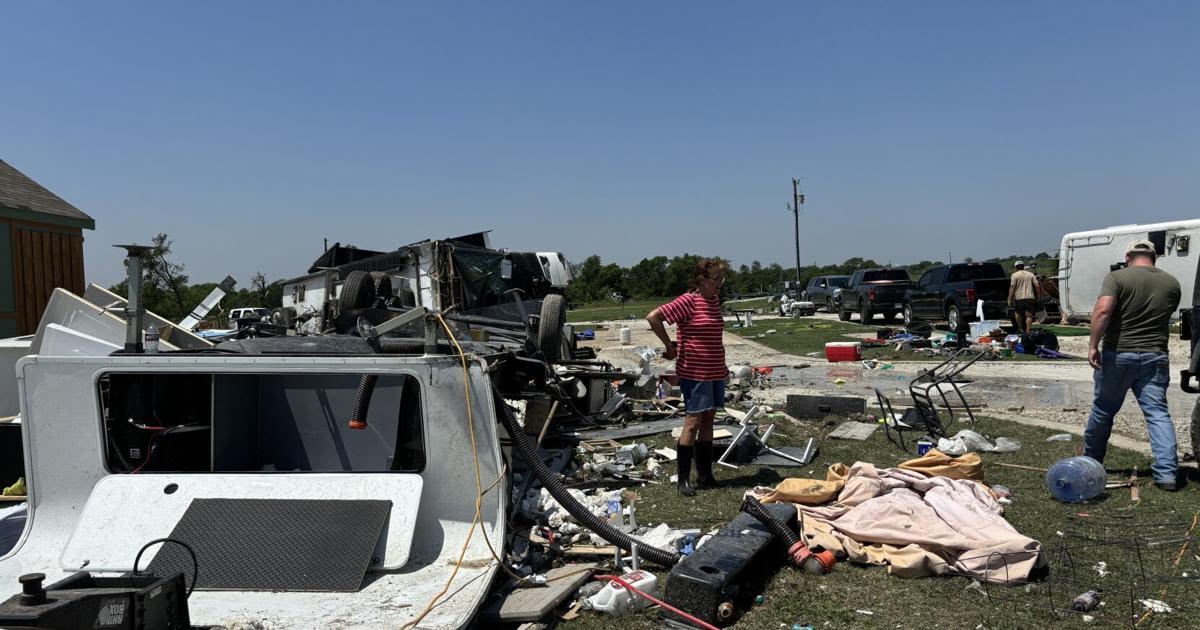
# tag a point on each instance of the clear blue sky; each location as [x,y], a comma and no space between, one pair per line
[249,131]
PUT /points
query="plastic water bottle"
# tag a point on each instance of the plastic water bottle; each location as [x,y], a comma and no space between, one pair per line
[151,340]
[1076,479]
[1086,602]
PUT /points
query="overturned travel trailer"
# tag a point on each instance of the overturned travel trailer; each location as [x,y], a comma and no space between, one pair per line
[1086,257]
[462,274]
[366,467]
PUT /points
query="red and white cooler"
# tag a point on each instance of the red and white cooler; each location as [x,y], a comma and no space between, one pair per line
[843,351]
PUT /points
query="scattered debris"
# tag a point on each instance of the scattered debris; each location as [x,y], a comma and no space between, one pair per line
[532,604]
[967,440]
[1059,437]
[1154,605]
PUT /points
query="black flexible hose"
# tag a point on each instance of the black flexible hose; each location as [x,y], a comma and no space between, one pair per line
[778,528]
[366,385]
[528,453]
[362,401]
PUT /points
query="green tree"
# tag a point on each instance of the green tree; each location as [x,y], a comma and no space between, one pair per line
[648,278]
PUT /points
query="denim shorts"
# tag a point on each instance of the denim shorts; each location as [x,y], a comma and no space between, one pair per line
[701,396]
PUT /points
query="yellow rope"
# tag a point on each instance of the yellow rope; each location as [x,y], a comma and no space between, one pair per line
[475,522]
[480,493]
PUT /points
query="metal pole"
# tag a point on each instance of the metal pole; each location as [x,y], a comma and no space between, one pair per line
[797,201]
[133,306]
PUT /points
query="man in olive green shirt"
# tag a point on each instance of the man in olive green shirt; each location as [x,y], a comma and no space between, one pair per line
[1132,317]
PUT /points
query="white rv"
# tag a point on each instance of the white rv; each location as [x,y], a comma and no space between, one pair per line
[1086,257]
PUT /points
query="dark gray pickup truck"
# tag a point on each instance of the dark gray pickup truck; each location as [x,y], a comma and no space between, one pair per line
[872,291]
[950,293]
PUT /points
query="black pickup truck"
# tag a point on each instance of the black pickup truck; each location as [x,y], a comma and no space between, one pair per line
[872,291]
[950,293]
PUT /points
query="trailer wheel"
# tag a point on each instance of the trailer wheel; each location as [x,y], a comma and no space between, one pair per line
[358,291]
[383,284]
[276,317]
[550,327]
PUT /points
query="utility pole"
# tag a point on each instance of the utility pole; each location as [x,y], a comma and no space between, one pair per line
[797,202]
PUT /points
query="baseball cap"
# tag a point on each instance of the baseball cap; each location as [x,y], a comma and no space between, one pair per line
[1141,247]
[1019,263]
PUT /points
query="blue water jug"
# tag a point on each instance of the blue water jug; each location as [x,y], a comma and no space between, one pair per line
[1076,479]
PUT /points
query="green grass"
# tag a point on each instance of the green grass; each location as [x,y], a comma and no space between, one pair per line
[1065,331]
[638,309]
[800,335]
[604,311]
[830,601]
[804,335]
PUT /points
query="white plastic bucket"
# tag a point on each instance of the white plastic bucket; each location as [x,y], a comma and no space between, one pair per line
[626,336]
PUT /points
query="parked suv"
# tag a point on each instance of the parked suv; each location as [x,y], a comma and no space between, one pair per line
[256,312]
[871,291]
[820,291]
[951,292]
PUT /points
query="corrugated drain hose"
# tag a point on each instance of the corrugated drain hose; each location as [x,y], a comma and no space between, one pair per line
[528,452]
[366,385]
[362,401]
[798,552]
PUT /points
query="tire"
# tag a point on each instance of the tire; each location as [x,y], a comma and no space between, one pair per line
[829,305]
[358,291]
[276,317]
[865,315]
[550,327]
[843,314]
[1073,320]
[383,284]
[955,319]
[908,315]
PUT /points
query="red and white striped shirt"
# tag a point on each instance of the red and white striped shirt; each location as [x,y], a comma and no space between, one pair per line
[698,326]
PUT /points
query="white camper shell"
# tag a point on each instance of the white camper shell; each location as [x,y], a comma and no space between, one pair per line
[1086,257]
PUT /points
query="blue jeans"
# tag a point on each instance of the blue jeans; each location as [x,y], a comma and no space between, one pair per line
[1148,374]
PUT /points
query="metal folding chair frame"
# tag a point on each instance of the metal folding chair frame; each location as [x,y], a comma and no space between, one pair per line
[921,390]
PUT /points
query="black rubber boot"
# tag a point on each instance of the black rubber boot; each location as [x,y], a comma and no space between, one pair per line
[704,464]
[684,459]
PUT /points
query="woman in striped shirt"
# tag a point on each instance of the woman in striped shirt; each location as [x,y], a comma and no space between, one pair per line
[700,365]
